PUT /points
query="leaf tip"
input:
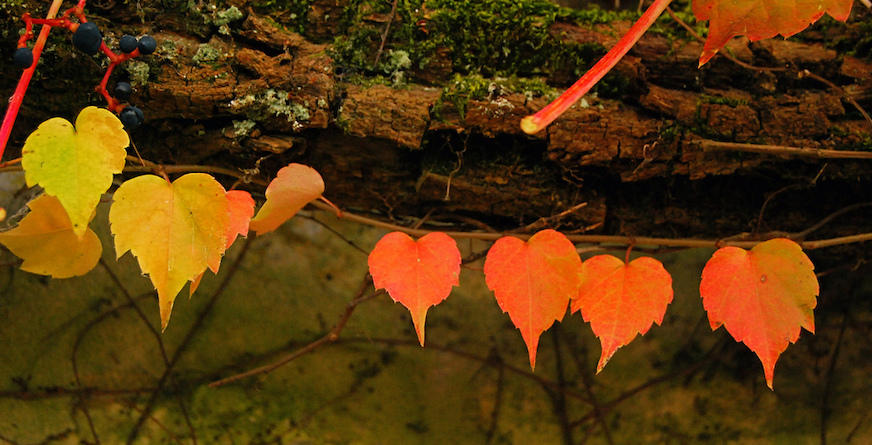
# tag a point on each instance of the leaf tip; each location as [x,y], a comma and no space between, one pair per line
[604,360]
[420,335]
[166,309]
[532,346]
[769,371]
[418,319]
[706,56]
[195,283]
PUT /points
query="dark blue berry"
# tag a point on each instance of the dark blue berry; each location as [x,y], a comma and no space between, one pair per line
[88,38]
[22,58]
[127,44]
[132,117]
[147,45]
[123,90]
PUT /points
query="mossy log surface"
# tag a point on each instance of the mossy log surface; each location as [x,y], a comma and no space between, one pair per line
[428,127]
[422,131]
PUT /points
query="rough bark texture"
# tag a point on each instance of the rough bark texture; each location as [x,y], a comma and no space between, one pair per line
[637,155]
[297,81]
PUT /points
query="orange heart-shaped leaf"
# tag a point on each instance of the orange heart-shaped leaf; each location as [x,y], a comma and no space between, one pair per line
[533,281]
[417,274]
[762,296]
[622,300]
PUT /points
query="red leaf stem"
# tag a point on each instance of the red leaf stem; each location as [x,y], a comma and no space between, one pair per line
[21,89]
[540,120]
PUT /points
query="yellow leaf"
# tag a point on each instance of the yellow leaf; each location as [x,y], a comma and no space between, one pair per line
[44,239]
[76,164]
[175,230]
[294,186]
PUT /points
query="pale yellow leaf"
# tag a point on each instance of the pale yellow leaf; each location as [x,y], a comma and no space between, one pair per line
[45,240]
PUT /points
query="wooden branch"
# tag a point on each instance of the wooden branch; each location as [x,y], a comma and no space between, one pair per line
[781,150]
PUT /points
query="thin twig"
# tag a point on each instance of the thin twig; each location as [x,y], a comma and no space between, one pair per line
[93,323]
[171,169]
[335,232]
[498,403]
[832,216]
[607,239]
[542,222]
[688,370]
[580,359]
[543,382]
[56,392]
[154,332]
[156,421]
[767,201]
[782,150]
[558,397]
[384,38]
[231,272]
[828,385]
[329,337]
[138,156]
[845,95]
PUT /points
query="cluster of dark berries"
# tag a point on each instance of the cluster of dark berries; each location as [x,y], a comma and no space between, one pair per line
[146,44]
[88,39]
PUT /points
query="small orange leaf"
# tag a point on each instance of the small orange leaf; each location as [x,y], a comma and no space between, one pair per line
[293,187]
[47,243]
[761,19]
[533,281]
[622,300]
[417,274]
[175,230]
[762,296]
[241,206]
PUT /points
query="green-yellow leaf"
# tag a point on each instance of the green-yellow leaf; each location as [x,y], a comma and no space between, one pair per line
[175,230]
[76,164]
[44,239]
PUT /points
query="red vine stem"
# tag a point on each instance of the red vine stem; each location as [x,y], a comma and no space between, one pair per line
[21,89]
[540,120]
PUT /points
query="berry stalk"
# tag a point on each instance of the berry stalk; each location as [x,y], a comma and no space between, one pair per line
[21,89]
[540,120]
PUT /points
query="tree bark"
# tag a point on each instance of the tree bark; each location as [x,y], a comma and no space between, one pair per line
[667,149]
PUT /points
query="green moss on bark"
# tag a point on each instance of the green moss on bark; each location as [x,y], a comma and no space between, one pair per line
[486,37]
